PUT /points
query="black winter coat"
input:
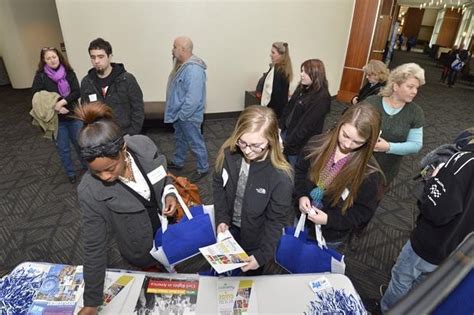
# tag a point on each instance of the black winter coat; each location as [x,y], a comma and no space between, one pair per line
[279,96]
[368,90]
[303,118]
[124,96]
[266,205]
[42,82]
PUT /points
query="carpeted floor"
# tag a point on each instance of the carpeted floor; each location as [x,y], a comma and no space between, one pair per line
[41,217]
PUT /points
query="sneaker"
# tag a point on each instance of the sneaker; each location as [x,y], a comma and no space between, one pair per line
[196,176]
[382,289]
[173,166]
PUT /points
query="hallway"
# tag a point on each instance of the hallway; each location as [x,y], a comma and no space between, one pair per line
[41,217]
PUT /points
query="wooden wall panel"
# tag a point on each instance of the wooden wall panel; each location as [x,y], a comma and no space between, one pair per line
[449,28]
[361,46]
[412,24]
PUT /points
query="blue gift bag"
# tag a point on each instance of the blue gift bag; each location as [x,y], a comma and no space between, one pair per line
[177,242]
[297,254]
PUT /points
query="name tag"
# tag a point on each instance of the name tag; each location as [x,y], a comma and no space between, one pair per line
[157,174]
[92,97]
[225,177]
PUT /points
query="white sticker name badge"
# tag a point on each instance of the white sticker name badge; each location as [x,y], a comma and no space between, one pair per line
[92,97]
[157,174]
[319,284]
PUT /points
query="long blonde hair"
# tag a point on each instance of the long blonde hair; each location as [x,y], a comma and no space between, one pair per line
[366,119]
[254,119]
[284,63]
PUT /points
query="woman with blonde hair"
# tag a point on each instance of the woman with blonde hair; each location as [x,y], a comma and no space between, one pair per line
[337,181]
[274,85]
[376,73]
[252,186]
[402,119]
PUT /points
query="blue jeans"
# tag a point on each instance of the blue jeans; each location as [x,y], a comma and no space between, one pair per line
[188,135]
[68,133]
[409,270]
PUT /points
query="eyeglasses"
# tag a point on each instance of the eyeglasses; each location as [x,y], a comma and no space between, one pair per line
[257,148]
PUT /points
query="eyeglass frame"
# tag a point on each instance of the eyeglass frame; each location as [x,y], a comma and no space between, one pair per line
[243,145]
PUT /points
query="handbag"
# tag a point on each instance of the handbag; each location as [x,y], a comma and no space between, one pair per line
[457,64]
[297,254]
[188,191]
[177,242]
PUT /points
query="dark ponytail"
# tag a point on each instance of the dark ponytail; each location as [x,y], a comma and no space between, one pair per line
[101,136]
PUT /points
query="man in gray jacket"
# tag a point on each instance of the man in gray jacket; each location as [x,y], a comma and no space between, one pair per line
[112,84]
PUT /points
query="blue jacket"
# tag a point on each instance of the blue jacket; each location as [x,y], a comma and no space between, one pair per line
[186,92]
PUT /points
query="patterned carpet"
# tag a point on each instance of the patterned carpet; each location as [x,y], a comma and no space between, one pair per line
[41,217]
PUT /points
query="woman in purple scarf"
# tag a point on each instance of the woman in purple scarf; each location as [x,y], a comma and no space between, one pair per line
[54,74]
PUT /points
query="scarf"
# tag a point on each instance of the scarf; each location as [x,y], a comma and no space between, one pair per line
[59,77]
[326,177]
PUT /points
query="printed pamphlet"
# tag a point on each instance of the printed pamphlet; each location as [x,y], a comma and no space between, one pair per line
[168,295]
[233,296]
[226,254]
[59,292]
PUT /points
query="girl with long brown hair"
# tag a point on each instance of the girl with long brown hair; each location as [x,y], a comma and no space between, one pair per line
[252,186]
[338,181]
[304,115]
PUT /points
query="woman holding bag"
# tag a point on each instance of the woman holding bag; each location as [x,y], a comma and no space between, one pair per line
[337,181]
[252,186]
[54,74]
[123,191]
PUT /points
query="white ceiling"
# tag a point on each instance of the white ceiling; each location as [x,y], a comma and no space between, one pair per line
[449,3]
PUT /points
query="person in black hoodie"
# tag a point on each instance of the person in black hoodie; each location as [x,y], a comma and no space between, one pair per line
[446,218]
[112,84]
[54,74]
[376,73]
[304,115]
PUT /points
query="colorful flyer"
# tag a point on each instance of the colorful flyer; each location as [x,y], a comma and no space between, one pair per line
[233,296]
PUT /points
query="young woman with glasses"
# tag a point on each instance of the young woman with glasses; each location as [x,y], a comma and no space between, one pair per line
[54,74]
[252,186]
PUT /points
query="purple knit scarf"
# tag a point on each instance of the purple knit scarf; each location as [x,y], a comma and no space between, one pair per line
[59,76]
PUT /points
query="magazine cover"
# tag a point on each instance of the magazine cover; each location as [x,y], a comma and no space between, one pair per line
[59,292]
[168,295]
[233,296]
[226,254]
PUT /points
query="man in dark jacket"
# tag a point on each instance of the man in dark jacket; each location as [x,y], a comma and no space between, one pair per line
[112,84]
[446,218]
[463,56]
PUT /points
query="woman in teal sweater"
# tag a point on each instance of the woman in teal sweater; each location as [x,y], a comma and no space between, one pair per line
[402,119]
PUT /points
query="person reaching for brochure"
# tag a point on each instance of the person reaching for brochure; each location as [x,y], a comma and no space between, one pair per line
[338,183]
[120,193]
[252,186]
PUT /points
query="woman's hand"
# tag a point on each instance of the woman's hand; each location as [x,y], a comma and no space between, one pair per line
[63,110]
[221,228]
[170,205]
[88,310]
[305,204]
[355,100]
[382,145]
[252,264]
[60,104]
[318,216]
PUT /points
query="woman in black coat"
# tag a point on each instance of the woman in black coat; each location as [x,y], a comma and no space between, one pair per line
[54,74]
[376,73]
[304,115]
[274,85]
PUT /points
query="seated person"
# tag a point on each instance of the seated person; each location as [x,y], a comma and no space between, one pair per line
[252,186]
[337,180]
[376,73]
[121,192]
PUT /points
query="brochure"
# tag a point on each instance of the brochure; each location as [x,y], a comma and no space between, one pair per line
[233,296]
[59,292]
[226,254]
[168,295]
